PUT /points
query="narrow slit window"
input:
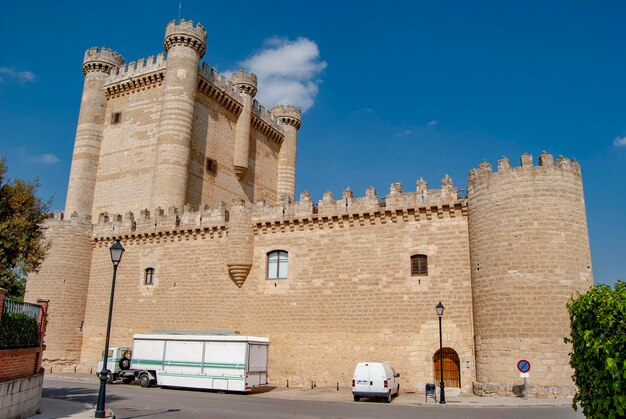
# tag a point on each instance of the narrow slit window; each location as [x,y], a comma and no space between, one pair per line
[116,118]
[419,265]
[148,278]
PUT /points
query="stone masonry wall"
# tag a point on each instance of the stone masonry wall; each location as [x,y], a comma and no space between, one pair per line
[63,280]
[530,252]
[349,295]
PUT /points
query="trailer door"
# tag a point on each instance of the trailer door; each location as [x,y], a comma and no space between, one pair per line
[257,365]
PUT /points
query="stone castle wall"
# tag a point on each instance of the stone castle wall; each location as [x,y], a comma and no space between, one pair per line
[530,253]
[349,295]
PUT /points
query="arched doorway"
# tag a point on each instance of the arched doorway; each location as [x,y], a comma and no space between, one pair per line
[451,367]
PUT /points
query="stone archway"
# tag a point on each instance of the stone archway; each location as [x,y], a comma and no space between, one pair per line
[451,367]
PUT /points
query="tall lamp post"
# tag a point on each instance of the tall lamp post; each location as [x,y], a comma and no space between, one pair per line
[117,250]
[442,395]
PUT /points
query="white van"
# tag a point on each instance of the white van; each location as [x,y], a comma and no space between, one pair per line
[375,379]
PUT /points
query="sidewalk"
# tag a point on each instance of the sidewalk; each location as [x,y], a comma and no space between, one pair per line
[57,408]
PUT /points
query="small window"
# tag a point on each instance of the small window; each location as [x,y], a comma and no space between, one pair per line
[277,264]
[211,166]
[116,118]
[419,265]
[148,278]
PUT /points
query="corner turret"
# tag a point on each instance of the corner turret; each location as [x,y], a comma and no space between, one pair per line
[97,65]
[528,242]
[185,45]
[246,84]
[291,120]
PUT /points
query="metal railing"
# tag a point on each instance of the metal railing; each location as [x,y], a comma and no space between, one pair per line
[14,307]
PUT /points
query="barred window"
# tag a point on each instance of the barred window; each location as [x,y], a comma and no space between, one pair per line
[419,265]
[277,264]
[148,278]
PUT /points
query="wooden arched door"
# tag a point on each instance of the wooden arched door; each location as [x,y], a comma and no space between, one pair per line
[451,367]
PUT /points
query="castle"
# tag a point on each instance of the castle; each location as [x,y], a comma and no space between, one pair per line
[197,181]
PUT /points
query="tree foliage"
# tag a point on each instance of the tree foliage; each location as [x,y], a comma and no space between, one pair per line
[22,245]
[598,338]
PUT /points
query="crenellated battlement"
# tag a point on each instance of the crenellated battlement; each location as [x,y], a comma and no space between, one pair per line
[101,59]
[142,74]
[546,162]
[214,221]
[288,115]
[245,82]
[184,33]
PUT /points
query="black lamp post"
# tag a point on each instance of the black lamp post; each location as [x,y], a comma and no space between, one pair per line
[117,250]
[442,395]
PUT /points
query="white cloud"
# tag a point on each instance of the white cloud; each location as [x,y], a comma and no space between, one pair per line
[404,133]
[45,158]
[20,76]
[620,141]
[433,123]
[287,71]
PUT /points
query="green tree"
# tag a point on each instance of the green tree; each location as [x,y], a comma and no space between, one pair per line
[22,245]
[598,357]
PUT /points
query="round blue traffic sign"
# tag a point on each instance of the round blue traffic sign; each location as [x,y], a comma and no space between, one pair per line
[523,366]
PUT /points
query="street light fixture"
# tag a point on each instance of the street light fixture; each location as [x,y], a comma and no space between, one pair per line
[442,395]
[117,250]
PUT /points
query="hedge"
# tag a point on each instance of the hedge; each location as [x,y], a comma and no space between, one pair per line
[18,330]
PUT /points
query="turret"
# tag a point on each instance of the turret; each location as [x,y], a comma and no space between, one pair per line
[97,66]
[185,44]
[240,243]
[529,250]
[246,84]
[291,120]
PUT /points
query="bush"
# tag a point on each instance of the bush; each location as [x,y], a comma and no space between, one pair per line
[18,330]
[598,357]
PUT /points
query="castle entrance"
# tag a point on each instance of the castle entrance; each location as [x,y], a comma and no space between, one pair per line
[451,367]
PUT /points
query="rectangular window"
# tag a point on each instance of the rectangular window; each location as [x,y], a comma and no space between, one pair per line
[277,265]
[419,265]
[116,118]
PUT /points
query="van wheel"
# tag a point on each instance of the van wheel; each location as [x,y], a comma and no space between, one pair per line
[357,398]
[124,363]
[127,380]
[388,399]
[144,380]
[398,391]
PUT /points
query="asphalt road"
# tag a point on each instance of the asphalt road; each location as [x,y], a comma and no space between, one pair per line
[132,401]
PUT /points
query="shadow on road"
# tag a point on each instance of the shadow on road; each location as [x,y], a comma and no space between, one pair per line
[150,414]
[77,394]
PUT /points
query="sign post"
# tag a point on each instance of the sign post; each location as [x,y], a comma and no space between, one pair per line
[524,366]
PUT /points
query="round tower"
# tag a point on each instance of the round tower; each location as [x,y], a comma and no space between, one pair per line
[240,243]
[246,83]
[529,250]
[97,66]
[63,279]
[185,44]
[291,119]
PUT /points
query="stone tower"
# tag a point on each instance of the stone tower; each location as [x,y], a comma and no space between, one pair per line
[529,250]
[246,83]
[291,120]
[97,66]
[185,45]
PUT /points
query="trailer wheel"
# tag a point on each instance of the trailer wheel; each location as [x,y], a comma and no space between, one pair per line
[144,380]
[124,363]
[127,380]
[110,378]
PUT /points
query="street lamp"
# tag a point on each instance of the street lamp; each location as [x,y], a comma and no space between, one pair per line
[442,395]
[117,250]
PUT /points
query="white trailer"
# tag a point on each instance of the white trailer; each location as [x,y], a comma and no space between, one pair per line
[219,362]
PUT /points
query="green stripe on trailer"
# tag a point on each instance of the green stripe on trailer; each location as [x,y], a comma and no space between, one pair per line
[188,364]
[172,374]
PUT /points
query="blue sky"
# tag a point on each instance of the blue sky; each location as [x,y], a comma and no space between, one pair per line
[393,91]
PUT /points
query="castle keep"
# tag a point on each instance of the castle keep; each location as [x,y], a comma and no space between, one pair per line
[197,180]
